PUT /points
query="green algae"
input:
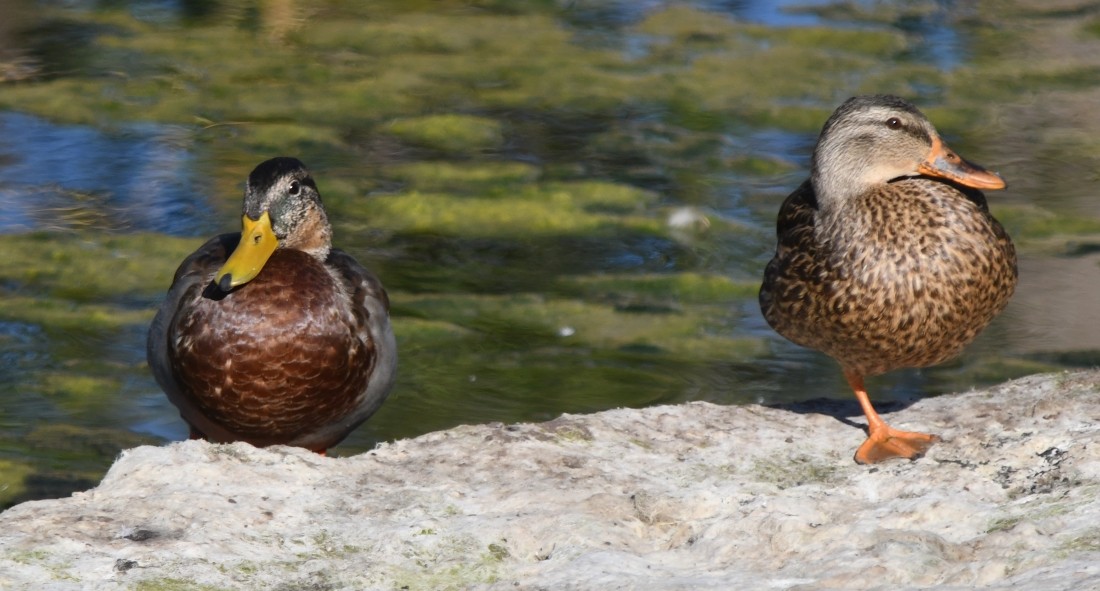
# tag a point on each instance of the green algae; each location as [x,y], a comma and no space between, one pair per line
[171,584]
[689,31]
[498,552]
[290,138]
[13,473]
[54,460]
[990,370]
[454,133]
[873,43]
[797,471]
[535,319]
[394,69]
[80,391]
[89,444]
[757,166]
[83,290]
[1004,524]
[676,288]
[1031,223]
[469,177]
[91,296]
[554,208]
[441,562]
[30,556]
[1087,542]
[86,267]
[66,315]
[569,433]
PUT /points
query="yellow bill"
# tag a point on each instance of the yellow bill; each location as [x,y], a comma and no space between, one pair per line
[258,241]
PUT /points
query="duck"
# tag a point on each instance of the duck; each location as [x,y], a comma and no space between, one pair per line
[270,335]
[887,256]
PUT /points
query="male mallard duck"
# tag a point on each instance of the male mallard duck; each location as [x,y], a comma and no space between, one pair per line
[286,340]
[887,256]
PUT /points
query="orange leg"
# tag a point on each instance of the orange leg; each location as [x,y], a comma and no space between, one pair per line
[883,441]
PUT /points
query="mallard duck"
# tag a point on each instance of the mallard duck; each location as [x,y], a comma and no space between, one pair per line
[271,336]
[888,256]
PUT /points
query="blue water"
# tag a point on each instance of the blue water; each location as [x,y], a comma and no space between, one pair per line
[138,178]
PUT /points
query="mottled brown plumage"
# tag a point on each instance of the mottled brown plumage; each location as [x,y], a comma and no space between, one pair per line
[888,256]
[301,353]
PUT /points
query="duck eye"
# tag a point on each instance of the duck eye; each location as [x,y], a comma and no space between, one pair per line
[893,123]
[295,187]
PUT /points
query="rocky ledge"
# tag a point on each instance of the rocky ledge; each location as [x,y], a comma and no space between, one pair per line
[695,496]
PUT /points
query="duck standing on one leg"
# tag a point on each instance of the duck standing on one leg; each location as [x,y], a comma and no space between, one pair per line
[271,336]
[887,256]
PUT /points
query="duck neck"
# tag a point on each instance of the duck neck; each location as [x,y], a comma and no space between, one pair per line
[314,235]
[837,186]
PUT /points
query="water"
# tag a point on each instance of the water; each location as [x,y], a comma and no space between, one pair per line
[497,327]
[139,178]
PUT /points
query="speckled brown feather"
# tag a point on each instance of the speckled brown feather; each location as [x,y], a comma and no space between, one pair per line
[909,276]
[300,355]
[887,257]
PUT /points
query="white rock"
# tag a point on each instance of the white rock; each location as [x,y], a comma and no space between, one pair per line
[695,496]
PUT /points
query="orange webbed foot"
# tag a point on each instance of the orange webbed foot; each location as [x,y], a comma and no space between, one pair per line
[885,443]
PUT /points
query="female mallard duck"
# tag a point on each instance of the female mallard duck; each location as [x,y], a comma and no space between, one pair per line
[286,340]
[887,256]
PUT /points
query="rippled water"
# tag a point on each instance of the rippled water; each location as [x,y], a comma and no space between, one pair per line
[140,178]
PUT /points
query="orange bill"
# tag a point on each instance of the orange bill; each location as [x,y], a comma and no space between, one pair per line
[943,162]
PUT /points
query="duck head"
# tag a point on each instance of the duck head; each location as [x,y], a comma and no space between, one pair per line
[872,140]
[282,209]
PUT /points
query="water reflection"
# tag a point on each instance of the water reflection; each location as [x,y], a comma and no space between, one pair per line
[21,348]
[620,13]
[798,13]
[933,26]
[141,178]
